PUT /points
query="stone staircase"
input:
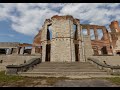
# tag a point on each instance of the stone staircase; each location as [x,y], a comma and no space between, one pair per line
[73,70]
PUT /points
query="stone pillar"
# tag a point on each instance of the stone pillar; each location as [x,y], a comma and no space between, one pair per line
[79,29]
[73,50]
[88,47]
[22,50]
[9,51]
[81,48]
[88,30]
[18,50]
[33,50]
[43,51]
[105,35]
[95,33]
[14,51]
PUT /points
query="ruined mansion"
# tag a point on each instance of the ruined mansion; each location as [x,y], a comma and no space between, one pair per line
[65,39]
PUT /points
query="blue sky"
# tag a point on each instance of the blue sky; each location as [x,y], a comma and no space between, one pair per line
[20,22]
[9,35]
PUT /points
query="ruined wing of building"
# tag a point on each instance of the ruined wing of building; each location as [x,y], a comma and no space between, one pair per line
[64,38]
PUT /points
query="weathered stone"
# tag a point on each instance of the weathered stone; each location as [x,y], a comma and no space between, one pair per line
[66,33]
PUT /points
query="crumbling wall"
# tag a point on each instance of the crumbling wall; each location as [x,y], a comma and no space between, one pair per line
[115,36]
[99,43]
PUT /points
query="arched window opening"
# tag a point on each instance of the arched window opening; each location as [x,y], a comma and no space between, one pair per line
[92,36]
[100,34]
[75,31]
[84,31]
[49,32]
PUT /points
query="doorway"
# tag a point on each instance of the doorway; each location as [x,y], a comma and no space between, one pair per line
[76,52]
[104,50]
[48,49]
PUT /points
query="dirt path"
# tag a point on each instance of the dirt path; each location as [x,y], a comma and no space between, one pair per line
[85,83]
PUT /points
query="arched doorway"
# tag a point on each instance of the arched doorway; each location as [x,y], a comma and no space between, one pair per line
[76,45]
[104,50]
[48,45]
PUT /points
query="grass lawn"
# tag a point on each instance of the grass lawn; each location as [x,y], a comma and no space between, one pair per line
[115,80]
[22,81]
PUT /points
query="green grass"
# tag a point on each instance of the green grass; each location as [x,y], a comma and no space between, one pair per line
[21,81]
[115,80]
[9,78]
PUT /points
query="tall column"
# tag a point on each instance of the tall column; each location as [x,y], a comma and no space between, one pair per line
[105,35]
[18,50]
[22,50]
[8,51]
[95,33]
[79,29]
[44,52]
[81,48]
[73,50]
[14,51]
[88,30]
[33,50]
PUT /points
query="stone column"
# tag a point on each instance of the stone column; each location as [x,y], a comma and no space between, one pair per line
[95,33]
[88,30]
[105,35]
[88,47]
[33,50]
[22,50]
[81,48]
[73,50]
[18,50]
[8,51]
[43,51]
[79,29]
[14,51]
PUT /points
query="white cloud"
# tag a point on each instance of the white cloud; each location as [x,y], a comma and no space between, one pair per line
[27,18]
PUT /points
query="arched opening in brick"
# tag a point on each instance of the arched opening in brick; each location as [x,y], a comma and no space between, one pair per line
[92,35]
[76,45]
[100,34]
[28,50]
[84,31]
[118,53]
[104,50]
[2,51]
[49,32]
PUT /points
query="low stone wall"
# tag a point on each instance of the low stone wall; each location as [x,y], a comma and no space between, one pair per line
[111,60]
[14,59]
[111,64]
[9,44]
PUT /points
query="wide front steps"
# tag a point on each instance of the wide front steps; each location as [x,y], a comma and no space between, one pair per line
[55,69]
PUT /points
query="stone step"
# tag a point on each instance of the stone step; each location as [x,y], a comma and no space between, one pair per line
[65,70]
[62,65]
[60,74]
[55,69]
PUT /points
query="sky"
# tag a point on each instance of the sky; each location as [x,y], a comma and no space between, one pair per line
[20,22]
